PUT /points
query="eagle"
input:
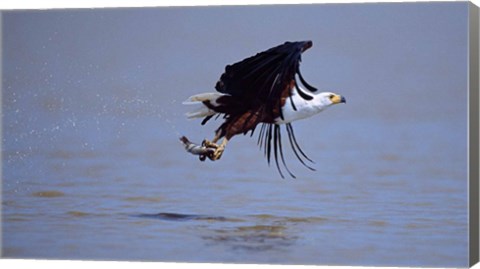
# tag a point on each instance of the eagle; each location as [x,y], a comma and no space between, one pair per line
[263,90]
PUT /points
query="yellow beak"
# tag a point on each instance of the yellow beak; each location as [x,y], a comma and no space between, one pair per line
[337,99]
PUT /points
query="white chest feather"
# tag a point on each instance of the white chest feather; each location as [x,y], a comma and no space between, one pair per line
[303,108]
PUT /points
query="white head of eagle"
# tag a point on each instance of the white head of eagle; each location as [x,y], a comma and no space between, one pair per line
[263,90]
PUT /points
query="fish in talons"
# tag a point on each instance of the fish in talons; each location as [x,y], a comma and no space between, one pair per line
[206,149]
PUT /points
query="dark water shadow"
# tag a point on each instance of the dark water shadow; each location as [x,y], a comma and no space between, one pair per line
[183,217]
[251,233]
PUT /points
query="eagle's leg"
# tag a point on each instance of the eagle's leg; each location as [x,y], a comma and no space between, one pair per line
[219,150]
[213,144]
[209,144]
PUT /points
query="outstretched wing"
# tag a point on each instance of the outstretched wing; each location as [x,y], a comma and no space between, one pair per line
[263,83]
[262,80]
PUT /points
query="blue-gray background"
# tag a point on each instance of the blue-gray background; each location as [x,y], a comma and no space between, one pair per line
[92,113]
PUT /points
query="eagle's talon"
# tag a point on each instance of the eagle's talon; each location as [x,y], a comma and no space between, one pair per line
[217,154]
[209,144]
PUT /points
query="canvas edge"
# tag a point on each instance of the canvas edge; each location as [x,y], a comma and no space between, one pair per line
[1,133]
[473,104]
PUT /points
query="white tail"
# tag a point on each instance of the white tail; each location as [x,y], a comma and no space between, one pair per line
[203,111]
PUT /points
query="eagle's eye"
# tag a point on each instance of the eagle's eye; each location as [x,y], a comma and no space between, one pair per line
[331,96]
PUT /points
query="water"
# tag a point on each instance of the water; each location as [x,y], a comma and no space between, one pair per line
[381,207]
[93,169]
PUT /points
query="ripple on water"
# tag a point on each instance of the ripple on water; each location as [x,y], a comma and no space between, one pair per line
[16,219]
[259,232]
[267,217]
[378,223]
[78,214]
[143,199]
[48,194]
[252,237]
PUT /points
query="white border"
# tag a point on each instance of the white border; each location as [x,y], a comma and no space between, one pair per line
[22,264]
[55,4]
[49,4]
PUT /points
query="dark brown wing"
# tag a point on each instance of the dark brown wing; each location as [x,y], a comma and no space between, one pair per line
[261,83]
[261,80]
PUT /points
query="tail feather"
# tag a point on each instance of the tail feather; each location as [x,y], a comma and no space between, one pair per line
[200,113]
[202,97]
[198,99]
